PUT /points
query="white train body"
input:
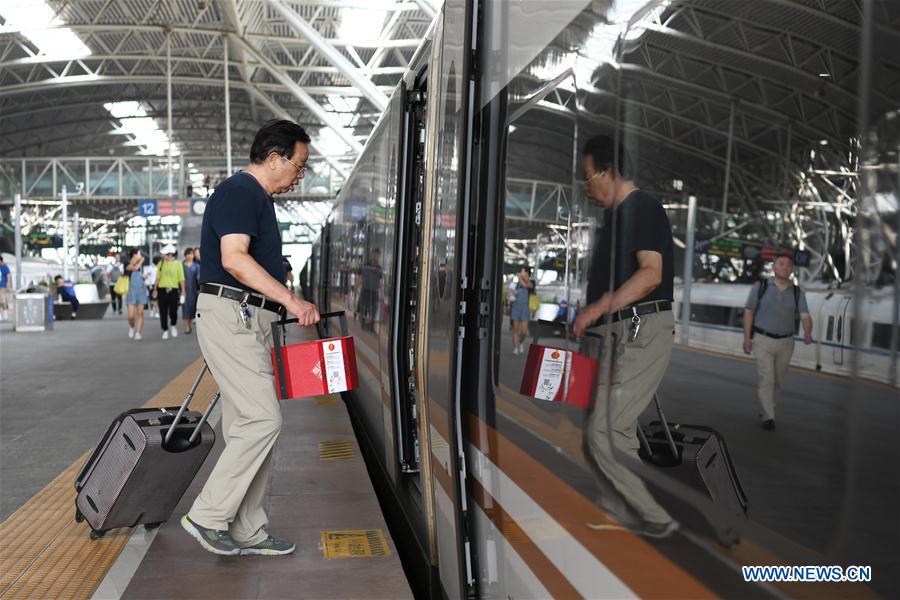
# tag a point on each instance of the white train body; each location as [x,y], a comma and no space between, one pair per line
[717,310]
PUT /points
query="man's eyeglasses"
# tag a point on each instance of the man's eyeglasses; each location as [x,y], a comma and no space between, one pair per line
[300,169]
[595,175]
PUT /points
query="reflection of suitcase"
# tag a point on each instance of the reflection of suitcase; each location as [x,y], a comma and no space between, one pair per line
[143,465]
[702,463]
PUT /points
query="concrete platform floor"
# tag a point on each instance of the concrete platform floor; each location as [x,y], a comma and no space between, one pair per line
[60,389]
[308,495]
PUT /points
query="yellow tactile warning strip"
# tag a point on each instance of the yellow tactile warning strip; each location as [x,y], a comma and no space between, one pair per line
[335,450]
[44,553]
[354,544]
[326,400]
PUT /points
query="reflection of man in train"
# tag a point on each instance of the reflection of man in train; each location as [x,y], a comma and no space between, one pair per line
[772,311]
[634,318]
[368,297]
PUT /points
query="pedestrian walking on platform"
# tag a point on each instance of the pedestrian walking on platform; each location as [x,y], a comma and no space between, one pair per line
[520,311]
[633,320]
[241,295]
[6,285]
[169,291]
[113,272]
[191,289]
[150,271]
[137,296]
[771,316]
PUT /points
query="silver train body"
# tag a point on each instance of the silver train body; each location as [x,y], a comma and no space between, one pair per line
[489,492]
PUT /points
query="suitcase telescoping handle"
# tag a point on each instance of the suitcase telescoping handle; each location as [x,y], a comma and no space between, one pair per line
[666,430]
[278,341]
[187,401]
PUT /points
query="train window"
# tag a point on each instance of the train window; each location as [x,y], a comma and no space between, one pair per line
[542,229]
[883,333]
[726,316]
[740,122]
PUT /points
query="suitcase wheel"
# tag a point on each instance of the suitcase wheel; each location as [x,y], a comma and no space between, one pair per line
[149,526]
[78,516]
[96,535]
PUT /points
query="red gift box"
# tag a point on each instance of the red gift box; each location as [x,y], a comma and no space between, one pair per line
[558,375]
[317,367]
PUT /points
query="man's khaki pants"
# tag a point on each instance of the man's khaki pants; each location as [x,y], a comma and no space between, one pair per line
[240,360]
[638,369]
[772,360]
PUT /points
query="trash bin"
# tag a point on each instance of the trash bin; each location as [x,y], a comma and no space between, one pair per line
[34,311]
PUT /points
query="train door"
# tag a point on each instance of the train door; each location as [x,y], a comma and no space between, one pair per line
[437,333]
[408,243]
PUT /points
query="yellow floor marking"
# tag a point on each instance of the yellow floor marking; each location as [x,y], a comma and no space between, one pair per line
[335,450]
[326,400]
[354,543]
[44,553]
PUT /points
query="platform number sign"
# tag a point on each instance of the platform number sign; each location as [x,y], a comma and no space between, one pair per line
[147,208]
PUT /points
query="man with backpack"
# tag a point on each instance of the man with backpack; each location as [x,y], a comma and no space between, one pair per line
[773,310]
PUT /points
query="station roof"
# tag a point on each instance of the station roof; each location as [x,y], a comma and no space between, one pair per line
[88,78]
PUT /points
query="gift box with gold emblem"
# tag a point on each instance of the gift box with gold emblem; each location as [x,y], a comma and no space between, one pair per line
[557,375]
[323,366]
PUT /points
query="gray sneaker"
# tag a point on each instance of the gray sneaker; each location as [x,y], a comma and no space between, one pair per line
[658,530]
[217,541]
[269,547]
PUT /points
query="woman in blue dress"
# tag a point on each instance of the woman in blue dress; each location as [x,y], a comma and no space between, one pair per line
[519,313]
[191,290]
[137,296]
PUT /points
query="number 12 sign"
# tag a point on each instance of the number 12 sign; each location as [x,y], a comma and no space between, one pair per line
[147,208]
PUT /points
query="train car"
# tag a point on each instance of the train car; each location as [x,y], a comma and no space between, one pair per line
[717,324]
[489,492]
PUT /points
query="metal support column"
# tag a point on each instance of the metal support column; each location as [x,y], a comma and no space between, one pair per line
[65,231]
[727,167]
[688,273]
[18,248]
[227,109]
[169,105]
[77,243]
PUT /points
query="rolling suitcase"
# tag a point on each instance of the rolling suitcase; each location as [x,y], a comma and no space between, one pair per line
[698,457]
[143,465]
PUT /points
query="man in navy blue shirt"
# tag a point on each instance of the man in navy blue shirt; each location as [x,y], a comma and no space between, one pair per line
[628,302]
[241,293]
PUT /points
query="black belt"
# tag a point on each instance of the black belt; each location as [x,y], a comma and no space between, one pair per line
[251,298]
[639,309]
[776,336]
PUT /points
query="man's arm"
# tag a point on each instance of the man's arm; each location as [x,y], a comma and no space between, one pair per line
[237,261]
[807,328]
[646,279]
[748,330]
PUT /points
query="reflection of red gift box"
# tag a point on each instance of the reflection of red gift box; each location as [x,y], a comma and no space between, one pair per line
[318,367]
[557,375]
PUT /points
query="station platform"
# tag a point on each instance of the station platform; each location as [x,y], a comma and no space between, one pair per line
[60,390]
